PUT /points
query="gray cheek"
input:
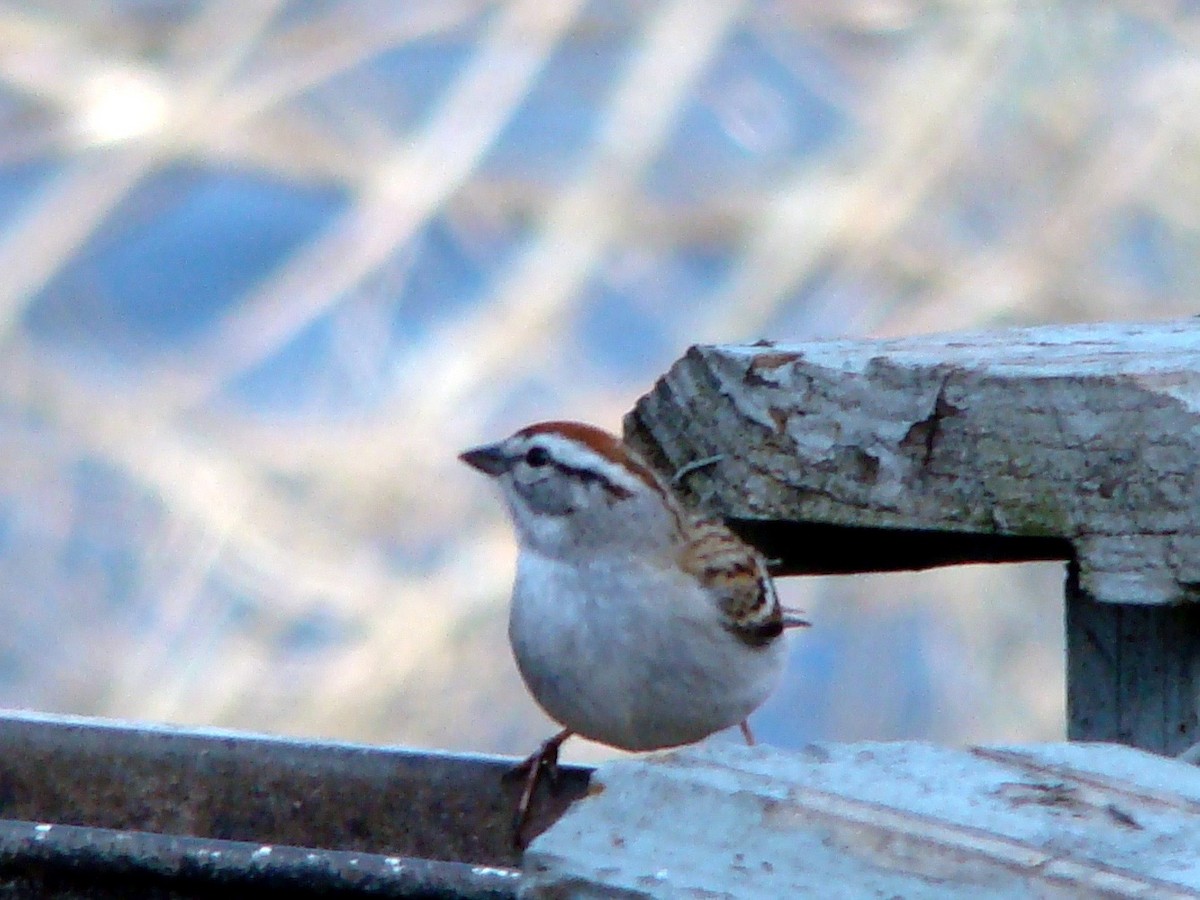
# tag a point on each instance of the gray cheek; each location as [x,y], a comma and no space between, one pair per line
[545,496]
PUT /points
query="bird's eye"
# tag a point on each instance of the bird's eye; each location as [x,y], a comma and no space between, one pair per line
[537,457]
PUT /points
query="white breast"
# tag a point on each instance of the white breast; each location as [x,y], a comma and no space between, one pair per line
[633,654]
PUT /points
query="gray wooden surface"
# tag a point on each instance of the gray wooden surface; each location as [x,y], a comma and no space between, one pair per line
[1133,672]
[1079,443]
[878,820]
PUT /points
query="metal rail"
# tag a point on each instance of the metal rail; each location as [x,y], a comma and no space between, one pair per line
[93,808]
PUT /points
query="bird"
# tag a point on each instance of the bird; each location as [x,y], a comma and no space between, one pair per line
[634,622]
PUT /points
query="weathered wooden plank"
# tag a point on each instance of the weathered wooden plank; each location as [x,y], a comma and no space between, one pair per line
[1077,440]
[861,820]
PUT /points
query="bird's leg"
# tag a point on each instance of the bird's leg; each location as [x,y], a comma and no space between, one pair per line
[545,756]
[544,759]
[746,732]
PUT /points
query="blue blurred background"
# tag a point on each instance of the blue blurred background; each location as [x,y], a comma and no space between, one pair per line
[267,266]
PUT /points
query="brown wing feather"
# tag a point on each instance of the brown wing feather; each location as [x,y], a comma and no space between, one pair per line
[737,578]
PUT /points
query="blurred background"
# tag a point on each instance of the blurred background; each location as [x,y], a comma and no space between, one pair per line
[267,266]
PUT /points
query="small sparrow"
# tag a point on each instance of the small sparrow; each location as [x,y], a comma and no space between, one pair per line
[633,622]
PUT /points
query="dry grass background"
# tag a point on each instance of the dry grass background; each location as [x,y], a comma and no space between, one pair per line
[234,500]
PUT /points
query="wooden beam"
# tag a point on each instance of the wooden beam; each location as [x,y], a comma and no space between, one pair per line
[1086,435]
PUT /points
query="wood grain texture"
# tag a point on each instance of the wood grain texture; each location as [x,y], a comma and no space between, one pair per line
[899,819]
[1077,441]
[1133,672]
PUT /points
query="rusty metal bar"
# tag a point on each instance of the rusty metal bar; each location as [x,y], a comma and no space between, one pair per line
[129,810]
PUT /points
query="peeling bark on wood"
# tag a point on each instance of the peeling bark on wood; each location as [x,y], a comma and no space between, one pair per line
[1023,444]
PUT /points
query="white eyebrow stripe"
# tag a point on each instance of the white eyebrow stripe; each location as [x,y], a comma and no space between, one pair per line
[573,455]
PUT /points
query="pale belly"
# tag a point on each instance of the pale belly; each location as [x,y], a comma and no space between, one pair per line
[639,660]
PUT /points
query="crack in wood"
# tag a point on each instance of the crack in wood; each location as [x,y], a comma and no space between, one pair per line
[926,432]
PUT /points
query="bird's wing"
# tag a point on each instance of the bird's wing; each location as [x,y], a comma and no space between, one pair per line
[737,579]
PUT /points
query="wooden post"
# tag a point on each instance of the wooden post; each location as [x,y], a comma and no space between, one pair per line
[1079,443]
[1133,672]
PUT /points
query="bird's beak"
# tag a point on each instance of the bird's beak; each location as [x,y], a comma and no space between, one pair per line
[489,459]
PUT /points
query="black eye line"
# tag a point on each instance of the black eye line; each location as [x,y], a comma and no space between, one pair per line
[589,475]
[538,457]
